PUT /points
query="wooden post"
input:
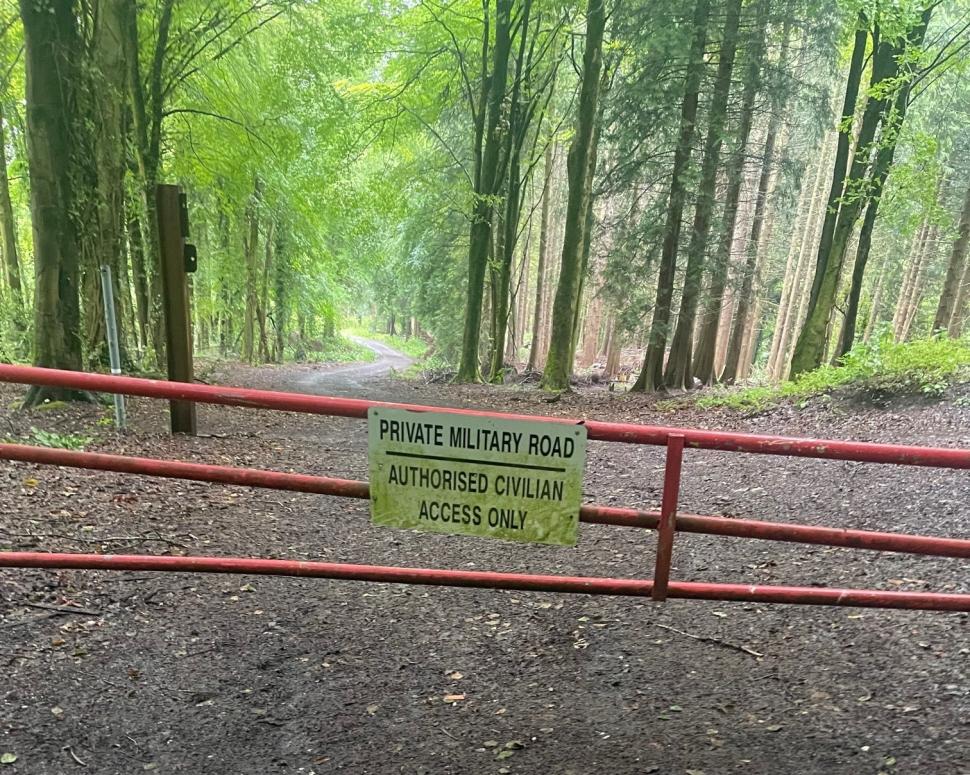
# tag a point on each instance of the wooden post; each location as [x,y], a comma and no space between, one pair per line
[175,302]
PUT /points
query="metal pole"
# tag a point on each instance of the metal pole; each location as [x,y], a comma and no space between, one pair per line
[114,354]
[175,302]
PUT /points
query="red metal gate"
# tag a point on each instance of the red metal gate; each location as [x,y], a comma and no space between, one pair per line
[667,521]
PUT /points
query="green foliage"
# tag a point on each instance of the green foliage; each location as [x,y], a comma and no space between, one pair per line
[926,366]
[412,346]
[339,349]
[58,440]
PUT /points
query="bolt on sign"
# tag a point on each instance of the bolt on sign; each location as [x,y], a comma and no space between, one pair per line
[449,473]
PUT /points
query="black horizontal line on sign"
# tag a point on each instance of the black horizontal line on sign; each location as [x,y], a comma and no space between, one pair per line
[477,462]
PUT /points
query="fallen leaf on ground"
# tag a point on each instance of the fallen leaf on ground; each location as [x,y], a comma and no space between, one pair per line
[8,758]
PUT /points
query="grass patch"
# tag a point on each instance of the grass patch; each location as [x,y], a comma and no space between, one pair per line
[925,366]
[413,347]
[338,349]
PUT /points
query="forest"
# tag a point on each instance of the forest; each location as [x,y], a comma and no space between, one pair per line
[716,191]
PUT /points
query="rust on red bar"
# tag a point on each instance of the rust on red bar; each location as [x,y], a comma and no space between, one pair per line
[604,431]
[927,601]
[591,514]
[668,516]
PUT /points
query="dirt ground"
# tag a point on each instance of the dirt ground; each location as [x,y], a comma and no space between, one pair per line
[178,673]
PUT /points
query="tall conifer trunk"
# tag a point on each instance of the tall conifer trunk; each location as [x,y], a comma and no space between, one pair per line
[678,373]
[955,271]
[651,375]
[703,364]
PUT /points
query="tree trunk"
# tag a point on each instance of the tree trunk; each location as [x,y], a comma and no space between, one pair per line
[651,375]
[810,345]
[109,150]
[917,287]
[960,305]
[584,267]
[909,279]
[50,42]
[955,271]
[803,290]
[678,373]
[517,337]
[281,294]
[875,305]
[803,224]
[519,118]
[544,225]
[847,337]
[754,332]
[581,166]
[488,181]
[249,252]
[262,310]
[147,115]
[703,366]
[887,68]
[136,253]
[8,244]
[736,340]
[880,172]
[614,344]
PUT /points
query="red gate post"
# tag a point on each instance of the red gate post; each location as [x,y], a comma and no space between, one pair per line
[668,516]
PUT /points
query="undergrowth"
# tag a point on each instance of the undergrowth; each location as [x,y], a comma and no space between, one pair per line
[412,346]
[44,438]
[926,366]
[337,349]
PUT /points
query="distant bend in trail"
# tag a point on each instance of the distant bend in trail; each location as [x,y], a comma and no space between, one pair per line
[350,379]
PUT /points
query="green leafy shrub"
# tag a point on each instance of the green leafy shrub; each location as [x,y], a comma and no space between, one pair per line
[338,349]
[926,366]
[58,440]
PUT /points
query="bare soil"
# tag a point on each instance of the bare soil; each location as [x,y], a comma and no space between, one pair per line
[178,673]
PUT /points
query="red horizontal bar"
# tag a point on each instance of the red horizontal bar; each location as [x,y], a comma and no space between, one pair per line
[603,515]
[783,531]
[603,431]
[198,472]
[927,601]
